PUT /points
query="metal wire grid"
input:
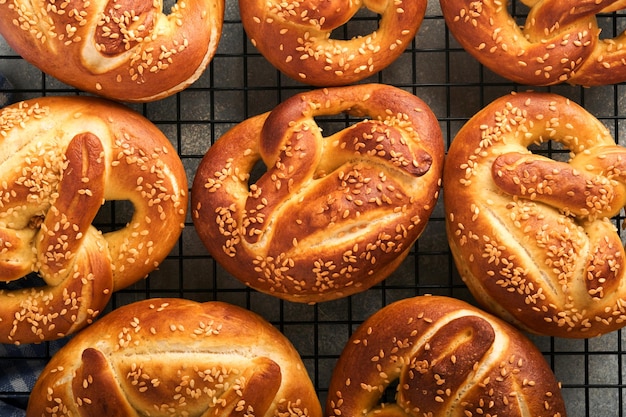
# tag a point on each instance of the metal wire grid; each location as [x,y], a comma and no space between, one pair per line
[240,83]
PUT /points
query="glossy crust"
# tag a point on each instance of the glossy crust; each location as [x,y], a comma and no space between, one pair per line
[296,37]
[127,50]
[333,215]
[166,357]
[559,42]
[60,159]
[449,359]
[532,236]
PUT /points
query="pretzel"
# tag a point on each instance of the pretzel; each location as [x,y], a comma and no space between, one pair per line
[175,357]
[448,359]
[560,41]
[332,215]
[127,50]
[295,37]
[532,236]
[61,158]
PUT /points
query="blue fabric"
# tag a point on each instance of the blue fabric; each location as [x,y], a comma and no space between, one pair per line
[18,378]
[20,366]
[7,410]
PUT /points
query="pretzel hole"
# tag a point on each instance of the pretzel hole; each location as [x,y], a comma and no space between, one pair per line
[362,24]
[113,216]
[31,280]
[390,394]
[258,170]
[551,149]
[168,5]
[329,125]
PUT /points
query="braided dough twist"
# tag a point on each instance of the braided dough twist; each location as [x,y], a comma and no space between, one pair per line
[295,37]
[60,159]
[560,41]
[532,236]
[174,357]
[449,359]
[332,215]
[125,50]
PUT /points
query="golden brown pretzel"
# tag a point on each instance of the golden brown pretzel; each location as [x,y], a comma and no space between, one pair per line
[532,236]
[175,357]
[60,159]
[560,41]
[296,37]
[332,215]
[127,50]
[449,359]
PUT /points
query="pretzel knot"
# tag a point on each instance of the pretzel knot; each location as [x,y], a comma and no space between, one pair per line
[448,358]
[560,41]
[332,215]
[532,236]
[296,37]
[128,50]
[60,160]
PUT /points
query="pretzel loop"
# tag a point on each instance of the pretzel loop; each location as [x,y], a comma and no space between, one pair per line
[332,214]
[559,42]
[532,236]
[296,37]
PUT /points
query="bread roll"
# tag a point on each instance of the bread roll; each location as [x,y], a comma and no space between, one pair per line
[448,359]
[531,235]
[61,158]
[174,357]
[128,50]
[332,215]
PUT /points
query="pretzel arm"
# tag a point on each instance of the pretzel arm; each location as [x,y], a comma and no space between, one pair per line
[557,184]
[81,193]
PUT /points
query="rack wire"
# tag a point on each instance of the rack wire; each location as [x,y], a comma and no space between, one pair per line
[240,83]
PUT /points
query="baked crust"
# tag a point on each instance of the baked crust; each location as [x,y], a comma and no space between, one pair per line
[331,216]
[448,359]
[127,50]
[164,357]
[295,37]
[532,236]
[559,41]
[61,158]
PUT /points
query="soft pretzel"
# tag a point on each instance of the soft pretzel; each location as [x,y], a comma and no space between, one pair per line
[127,50]
[60,159]
[448,359]
[175,357]
[532,236]
[295,37]
[560,41]
[332,215]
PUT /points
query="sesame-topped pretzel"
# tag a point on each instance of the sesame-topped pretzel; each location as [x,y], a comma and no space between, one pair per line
[172,357]
[295,37]
[61,158]
[559,42]
[128,50]
[332,215]
[448,358]
[532,236]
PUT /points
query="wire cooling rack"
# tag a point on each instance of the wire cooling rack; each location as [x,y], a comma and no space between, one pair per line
[240,83]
